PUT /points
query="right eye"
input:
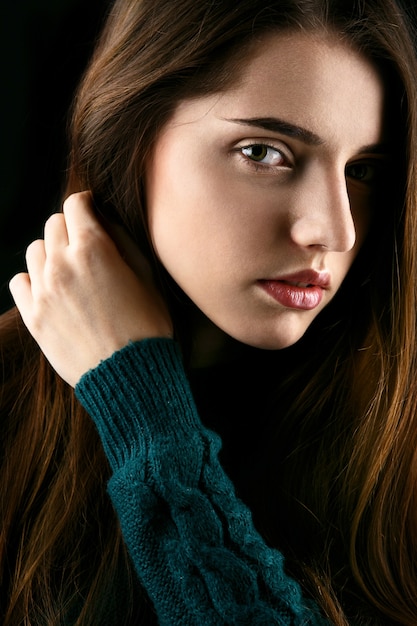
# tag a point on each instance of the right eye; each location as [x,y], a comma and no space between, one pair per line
[263,154]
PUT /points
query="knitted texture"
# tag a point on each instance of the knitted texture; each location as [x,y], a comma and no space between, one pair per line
[192,541]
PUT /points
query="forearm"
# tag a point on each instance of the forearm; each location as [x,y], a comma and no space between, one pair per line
[192,541]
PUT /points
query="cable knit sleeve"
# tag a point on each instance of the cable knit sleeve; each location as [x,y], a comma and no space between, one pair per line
[192,541]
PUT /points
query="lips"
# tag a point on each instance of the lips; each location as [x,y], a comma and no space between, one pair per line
[302,290]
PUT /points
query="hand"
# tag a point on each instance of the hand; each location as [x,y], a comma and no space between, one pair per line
[80,299]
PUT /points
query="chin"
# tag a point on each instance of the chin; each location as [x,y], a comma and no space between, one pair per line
[271,341]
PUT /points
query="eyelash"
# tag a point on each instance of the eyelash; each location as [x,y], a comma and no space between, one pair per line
[374,169]
[372,174]
[257,165]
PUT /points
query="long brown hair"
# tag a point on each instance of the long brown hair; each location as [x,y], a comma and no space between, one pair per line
[346,478]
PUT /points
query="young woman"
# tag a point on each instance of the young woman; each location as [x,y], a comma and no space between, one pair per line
[261,156]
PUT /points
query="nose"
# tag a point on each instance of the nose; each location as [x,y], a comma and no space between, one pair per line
[322,214]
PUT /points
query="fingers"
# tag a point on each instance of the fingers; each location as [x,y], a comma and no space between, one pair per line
[81,300]
[43,253]
[35,257]
[35,263]
[27,287]
[20,288]
[55,233]
[80,219]
[76,221]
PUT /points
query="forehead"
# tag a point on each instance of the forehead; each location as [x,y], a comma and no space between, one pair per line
[294,55]
[314,81]
[311,77]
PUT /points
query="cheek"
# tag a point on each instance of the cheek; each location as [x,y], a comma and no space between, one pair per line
[185,224]
[197,217]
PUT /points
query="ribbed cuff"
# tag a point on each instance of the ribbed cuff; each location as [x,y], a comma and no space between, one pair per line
[139,395]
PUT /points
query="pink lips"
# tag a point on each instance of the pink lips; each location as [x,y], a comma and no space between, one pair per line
[302,290]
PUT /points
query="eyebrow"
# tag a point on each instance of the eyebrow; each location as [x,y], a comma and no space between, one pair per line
[280,126]
[298,132]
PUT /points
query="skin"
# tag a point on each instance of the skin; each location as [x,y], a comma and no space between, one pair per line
[220,221]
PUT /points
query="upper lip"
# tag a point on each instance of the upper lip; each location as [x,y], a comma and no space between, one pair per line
[305,278]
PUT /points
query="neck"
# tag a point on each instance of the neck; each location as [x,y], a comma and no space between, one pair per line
[210,344]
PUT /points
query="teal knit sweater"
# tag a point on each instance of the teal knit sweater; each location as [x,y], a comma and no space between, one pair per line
[192,541]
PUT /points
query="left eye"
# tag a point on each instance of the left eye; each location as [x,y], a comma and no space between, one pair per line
[261,153]
[363,172]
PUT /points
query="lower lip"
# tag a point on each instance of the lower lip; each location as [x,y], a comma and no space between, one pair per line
[292,297]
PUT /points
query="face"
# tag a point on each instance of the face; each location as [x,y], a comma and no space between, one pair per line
[260,197]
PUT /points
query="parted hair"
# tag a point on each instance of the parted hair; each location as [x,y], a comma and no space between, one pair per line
[339,489]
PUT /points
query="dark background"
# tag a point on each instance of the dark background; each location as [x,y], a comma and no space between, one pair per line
[44,46]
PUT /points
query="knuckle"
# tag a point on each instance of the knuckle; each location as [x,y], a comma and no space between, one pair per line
[16,283]
[34,248]
[74,199]
[83,250]
[54,219]
[57,278]
[91,246]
